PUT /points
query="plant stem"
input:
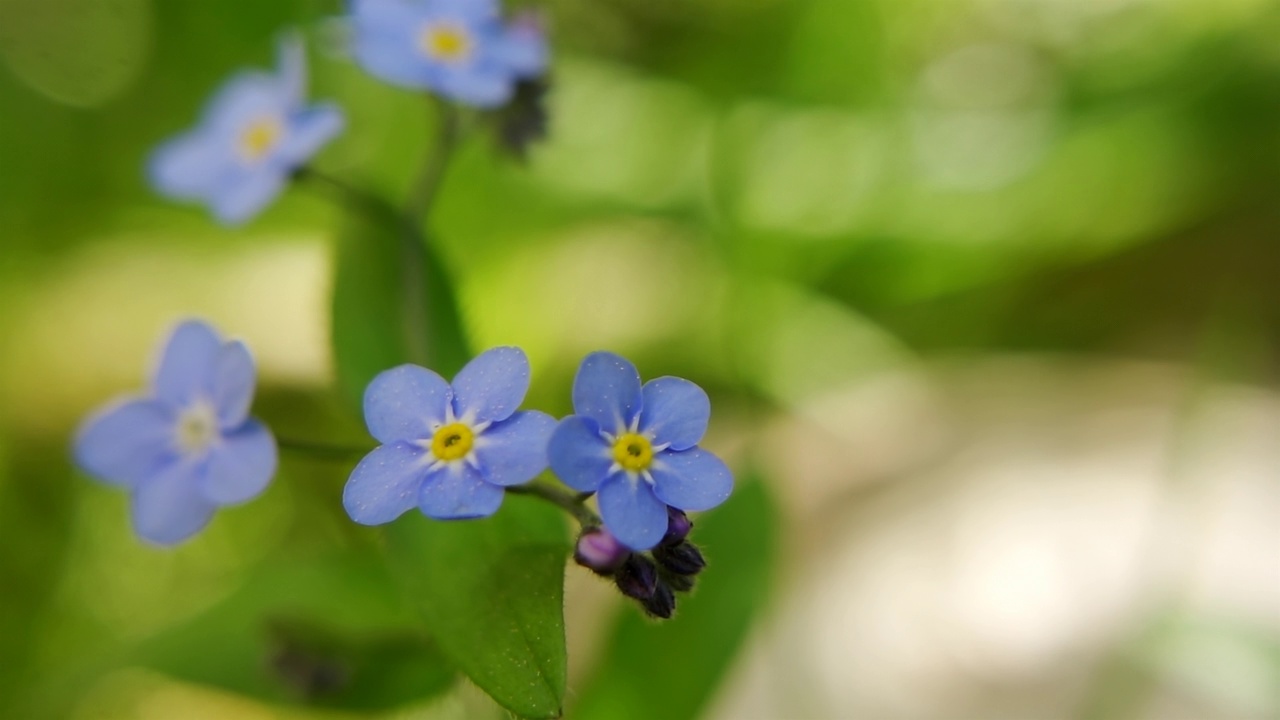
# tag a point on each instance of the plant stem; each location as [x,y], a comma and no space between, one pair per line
[322,450]
[343,189]
[572,503]
[427,184]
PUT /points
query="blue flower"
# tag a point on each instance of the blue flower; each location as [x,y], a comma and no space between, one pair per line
[637,447]
[448,450]
[458,48]
[188,448]
[256,131]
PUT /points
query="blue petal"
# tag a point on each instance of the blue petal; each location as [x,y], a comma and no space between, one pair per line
[473,10]
[675,412]
[126,442]
[492,385]
[241,466]
[233,384]
[308,132]
[406,403]
[456,491]
[189,166]
[691,480]
[168,507]
[293,68]
[244,195]
[607,390]
[387,14]
[522,49]
[246,97]
[578,455]
[385,43]
[482,85]
[631,511]
[187,363]
[385,483]
[514,451]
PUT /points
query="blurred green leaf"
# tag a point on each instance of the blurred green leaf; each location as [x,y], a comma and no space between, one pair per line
[392,301]
[670,670]
[332,632]
[492,592]
[37,504]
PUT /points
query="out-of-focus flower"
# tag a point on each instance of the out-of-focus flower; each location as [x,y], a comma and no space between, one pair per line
[637,447]
[448,450]
[254,133]
[190,446]
[460,49]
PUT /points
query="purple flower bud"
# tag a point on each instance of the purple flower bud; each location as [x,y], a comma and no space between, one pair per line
[663,602]
[682,559]
[600,552]
[679,583]
[637,578]
[678,527]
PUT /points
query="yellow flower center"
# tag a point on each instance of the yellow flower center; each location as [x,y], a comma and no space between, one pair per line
[197,428]
[633,452]
[260,136]
[446,42]
[452,442]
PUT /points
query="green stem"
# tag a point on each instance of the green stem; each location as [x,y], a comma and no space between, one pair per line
[321,450]
[427,185]
[573,503]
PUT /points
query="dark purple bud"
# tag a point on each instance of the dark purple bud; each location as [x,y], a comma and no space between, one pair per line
[679,583]
[600,552]
[637,578]
[662,603]
[678,527]
[523,121]
[682,559]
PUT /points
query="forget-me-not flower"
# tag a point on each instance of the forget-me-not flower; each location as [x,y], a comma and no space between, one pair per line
[448,450]
[637,447]
[255,132]
[460,49]
[188,447]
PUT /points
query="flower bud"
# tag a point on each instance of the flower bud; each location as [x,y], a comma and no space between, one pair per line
[600,552]
[679,583]
[682,559]
[662,603]
[638,578]
[678,527]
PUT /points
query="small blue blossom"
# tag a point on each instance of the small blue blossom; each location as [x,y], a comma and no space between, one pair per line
[460,49]
[637,447]
[255,132]
[448,450]
[190,446]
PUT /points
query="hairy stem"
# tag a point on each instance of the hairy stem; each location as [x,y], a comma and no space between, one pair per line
[572,503]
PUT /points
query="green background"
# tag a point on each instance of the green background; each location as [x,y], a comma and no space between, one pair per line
[1027,210]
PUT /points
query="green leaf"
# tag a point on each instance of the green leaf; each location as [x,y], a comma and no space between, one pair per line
[669,670]
[492,591]
[332,632]
[392,301]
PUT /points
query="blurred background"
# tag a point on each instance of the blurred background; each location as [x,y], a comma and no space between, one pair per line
[986,294]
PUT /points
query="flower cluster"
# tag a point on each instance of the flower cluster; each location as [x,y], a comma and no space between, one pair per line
[258,131]
[451,450]
[654,579]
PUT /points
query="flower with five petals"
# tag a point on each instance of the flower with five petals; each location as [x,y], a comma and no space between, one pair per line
[188,448]
[637,446]
[448,450]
